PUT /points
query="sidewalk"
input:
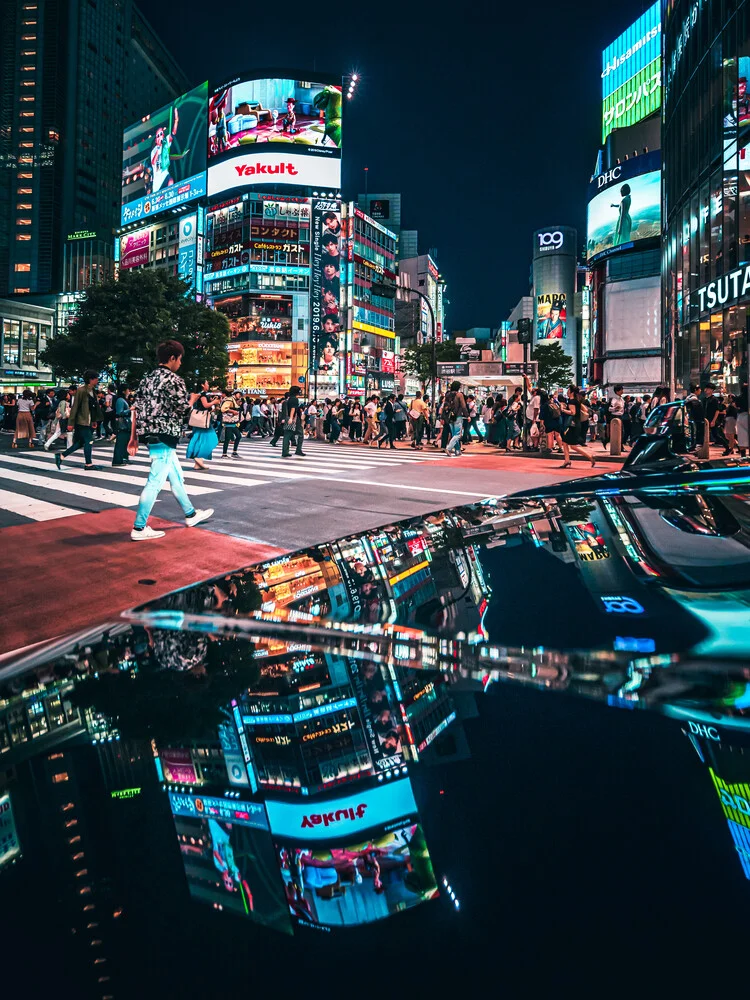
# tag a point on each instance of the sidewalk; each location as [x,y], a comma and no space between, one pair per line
[76,572]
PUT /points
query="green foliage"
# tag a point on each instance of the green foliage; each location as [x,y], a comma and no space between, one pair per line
[555,367]
[417,360]
[121,323]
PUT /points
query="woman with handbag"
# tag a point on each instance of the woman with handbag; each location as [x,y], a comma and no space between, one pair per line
[121,410]
[204,439]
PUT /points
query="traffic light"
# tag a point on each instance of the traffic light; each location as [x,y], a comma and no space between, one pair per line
[524,331]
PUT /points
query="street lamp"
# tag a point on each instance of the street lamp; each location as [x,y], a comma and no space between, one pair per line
[234,367]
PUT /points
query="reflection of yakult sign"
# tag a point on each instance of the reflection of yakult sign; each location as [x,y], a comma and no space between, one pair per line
[551,241]
[335,816]
[342,817]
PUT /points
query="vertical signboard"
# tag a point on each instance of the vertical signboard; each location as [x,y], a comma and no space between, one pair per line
[325,287]
[631,73]
[186,261]
[10,847]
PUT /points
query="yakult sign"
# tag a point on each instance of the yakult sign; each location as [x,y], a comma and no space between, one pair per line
[274,168]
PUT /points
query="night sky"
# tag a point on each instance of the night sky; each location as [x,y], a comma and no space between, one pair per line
[488,124]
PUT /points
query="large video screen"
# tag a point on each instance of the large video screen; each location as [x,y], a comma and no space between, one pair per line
[274,131]
[164,157]
[625,212]
[631,73]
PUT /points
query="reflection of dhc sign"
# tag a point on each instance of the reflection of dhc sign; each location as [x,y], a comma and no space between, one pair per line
[608,177]
[551,241]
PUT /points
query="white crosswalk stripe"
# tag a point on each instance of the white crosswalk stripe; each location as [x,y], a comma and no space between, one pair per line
[41,492]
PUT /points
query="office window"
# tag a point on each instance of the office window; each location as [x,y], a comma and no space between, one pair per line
[30,345]
[61,775]
[29,99]
[28,69]
[27,128]
[45,332]
[25,145]
[11,341]
[25,158]
[21,291]
[28,52]
[24,177]
[28,38]
[28,24]
[21,191]
[23,206]
[28,83]
[25,114]
[22,267]
[22,237]
[23,222]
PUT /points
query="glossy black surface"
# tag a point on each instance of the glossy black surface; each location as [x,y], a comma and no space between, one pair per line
[285,779]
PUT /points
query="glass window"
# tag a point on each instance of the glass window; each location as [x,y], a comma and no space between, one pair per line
[30,344]
[11,341]
[45,331]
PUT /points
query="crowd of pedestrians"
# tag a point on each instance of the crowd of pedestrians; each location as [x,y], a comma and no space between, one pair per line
[73,419]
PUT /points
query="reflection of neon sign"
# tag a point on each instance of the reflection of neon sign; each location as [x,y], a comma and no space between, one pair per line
[622,606]
[735,802]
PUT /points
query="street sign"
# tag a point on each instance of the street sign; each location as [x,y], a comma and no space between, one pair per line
[301,379]
[466,340]
[445,369]
[530,368]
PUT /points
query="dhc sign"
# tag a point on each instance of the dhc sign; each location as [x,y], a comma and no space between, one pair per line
[723,291]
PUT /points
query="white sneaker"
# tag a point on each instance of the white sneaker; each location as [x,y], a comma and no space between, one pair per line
[145,533]
[198,516]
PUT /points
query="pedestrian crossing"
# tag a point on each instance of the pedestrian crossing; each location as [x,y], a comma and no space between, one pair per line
[34,490]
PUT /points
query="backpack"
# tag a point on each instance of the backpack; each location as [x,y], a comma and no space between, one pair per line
[554,410]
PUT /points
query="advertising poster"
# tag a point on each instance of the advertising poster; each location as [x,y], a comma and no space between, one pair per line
[134,248]
[737,110]
[164,157]
[626,210]
[631,73]
[551,316]
[178,767]
[355,859]
[325,286]
[228,857]
[279,131]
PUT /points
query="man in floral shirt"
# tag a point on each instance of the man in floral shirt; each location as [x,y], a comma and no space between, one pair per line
[157,418]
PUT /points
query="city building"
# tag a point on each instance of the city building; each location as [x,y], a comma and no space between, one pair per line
[414,322]
[554,278]
[73,73]
[372,348]
[26,328]
[383,208]
[621,300]
[706,142]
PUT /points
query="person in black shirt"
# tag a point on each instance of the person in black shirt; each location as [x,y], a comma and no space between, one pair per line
[291,416]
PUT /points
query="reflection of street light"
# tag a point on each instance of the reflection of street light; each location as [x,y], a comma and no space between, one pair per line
[234,368]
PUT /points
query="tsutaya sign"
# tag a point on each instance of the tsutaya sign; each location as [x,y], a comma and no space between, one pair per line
[722,291]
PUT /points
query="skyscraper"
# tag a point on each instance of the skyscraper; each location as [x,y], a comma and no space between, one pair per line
[72,74]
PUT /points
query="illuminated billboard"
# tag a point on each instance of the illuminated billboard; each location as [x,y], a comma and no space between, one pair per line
[228,858]
[631,73]
[164,157]
[274,131]
[135,248]
[325,286]
[624,206]
[10,847]
[551,316]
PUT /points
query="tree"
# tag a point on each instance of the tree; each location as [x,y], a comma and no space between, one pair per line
[417,360]
[555,367]
[120,324]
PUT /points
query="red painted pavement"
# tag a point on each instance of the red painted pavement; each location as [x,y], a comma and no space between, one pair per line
[76,572]
[541,466]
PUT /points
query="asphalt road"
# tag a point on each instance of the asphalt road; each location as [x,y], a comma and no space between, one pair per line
[291,503]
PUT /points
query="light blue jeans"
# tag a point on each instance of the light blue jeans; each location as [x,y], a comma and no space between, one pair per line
[456,430]
[165,465]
